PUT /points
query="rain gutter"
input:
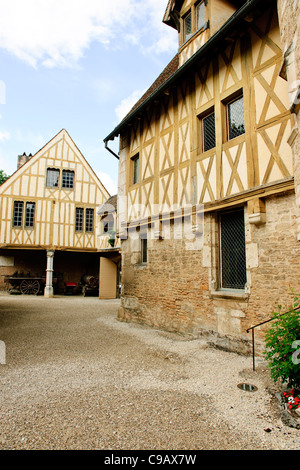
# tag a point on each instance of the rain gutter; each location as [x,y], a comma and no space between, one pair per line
[218,36]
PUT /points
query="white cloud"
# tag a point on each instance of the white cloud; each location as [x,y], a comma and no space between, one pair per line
[58,32]
[108,182]
[127,103]
[4,135]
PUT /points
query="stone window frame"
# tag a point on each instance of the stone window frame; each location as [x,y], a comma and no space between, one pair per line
[224,270]
[211,257]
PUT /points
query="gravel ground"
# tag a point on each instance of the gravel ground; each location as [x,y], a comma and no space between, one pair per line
[76,378]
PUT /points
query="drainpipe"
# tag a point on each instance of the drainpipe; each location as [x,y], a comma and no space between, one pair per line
[111,151]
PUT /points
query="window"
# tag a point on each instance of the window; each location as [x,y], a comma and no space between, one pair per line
[67,179]
[79,219]
[29,214]
[18,214]
[135,169]
[200,12]
[235,118]
[52,178]
[232,250]
[108,223]
[144,247]
[89,220]
[208,132]
[187,27]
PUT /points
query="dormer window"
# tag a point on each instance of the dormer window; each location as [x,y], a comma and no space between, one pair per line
[194,20]
[187,27]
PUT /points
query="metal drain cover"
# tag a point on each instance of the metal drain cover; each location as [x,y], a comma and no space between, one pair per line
[247,387]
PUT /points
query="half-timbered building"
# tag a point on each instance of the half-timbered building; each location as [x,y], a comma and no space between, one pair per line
[207,208]
[49,221]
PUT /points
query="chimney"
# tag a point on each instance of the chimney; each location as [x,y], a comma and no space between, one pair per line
[23,159]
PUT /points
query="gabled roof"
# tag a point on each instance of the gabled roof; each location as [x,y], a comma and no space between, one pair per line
[173,72]
[62,134]
[168,71]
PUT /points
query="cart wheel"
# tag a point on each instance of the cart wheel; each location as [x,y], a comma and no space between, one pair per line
[30,287]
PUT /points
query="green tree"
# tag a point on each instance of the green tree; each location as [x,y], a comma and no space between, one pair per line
[281,340]
[3,176]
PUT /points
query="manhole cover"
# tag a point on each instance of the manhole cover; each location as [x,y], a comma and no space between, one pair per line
[247,387]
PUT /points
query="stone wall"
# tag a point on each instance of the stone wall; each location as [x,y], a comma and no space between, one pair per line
[289,21]
[177,289]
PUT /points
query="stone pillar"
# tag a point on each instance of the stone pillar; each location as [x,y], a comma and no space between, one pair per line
[49,274]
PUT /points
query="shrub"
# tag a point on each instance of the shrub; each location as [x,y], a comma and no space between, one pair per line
[281,339]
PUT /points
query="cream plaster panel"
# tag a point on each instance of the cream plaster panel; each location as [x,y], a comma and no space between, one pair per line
[184,192]
[147,161]
[166,151]
[24,185]
[184,142]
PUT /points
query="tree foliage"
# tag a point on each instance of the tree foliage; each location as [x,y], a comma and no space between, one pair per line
[281,340]
[3,176]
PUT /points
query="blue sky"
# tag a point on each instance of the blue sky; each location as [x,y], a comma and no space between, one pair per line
[78,65]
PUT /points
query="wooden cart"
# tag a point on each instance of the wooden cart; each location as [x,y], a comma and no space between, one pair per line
[27,285]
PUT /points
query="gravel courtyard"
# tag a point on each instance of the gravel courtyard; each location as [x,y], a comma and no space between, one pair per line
[76,378]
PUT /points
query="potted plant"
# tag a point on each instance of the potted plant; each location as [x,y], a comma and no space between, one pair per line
[111,237]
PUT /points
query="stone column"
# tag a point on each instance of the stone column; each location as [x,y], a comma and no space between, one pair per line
[49,274]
